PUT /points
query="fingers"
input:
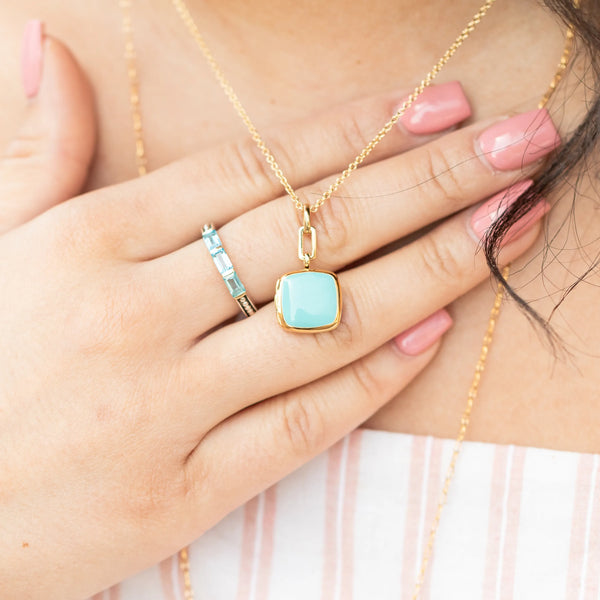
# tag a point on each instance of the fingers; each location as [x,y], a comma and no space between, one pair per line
[220,184]
[48,160]
[286,431]
[382,203]
[258,359]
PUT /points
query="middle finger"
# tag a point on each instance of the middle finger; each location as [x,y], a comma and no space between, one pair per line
[381,203]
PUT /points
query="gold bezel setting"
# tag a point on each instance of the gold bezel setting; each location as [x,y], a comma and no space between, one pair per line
[279,308]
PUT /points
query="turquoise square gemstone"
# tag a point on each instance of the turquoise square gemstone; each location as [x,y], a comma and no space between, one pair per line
[309,300]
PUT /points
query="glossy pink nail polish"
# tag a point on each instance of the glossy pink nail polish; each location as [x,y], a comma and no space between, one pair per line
[423,335]
[436,109]
[489,212]
[32,56]
[519,141]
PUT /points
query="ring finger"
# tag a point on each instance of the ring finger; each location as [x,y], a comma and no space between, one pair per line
[382,298]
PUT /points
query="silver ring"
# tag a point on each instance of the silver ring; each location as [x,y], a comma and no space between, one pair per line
[225,267]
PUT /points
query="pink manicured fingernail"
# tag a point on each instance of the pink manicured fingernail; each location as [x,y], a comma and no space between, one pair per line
[436,109]
[519,141]
[31,58]
[489,212]
[423,335]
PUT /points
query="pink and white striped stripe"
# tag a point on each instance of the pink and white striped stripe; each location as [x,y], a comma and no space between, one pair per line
[520,523]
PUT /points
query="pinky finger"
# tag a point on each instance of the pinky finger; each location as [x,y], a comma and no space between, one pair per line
[262,444]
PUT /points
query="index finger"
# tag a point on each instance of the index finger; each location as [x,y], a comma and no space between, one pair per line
[169,207]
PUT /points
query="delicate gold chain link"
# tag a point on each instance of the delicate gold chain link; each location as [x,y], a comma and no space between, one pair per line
[464,425]
[189,22]
[184,566]
[141,161]
[561,68]
[483,355]
[134,87]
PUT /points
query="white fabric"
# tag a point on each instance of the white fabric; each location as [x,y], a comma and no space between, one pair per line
[520,523]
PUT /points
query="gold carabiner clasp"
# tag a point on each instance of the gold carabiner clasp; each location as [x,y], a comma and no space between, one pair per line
[305,230]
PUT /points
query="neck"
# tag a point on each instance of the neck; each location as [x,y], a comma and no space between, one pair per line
[303,56]
[384,42]
[314,22]
[290,15]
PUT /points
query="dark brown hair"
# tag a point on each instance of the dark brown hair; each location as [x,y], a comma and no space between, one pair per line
[573,155]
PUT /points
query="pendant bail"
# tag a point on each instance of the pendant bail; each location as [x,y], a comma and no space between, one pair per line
[306,213]
[307,229]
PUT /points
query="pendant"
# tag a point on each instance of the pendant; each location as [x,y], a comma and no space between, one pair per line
[308,301]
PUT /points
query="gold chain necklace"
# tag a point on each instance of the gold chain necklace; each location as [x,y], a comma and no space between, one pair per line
[141,162]
[285,293]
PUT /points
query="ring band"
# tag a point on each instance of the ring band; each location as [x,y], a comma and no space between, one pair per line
[225,267]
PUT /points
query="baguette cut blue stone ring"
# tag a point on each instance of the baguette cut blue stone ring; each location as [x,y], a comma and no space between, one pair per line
[225,267]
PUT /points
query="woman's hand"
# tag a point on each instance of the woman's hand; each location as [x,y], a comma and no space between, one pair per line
[133,417]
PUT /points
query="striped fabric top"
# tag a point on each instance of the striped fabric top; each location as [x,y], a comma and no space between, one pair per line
[520,523]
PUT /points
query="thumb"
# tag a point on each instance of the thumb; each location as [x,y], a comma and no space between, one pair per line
[48,161]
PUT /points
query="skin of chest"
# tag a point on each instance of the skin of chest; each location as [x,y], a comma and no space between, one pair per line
[528,395]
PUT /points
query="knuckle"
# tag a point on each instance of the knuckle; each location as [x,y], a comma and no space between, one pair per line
[439,173]
[157,494]
[353,132]
[194,483]
[334,222]
[73,231]
[303,424]
[31,146]
[366,383]
[282,228]
[351,330]
[23,147]
[80,229]
[439,261]
[348,333]
[114,235]
[246,162]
